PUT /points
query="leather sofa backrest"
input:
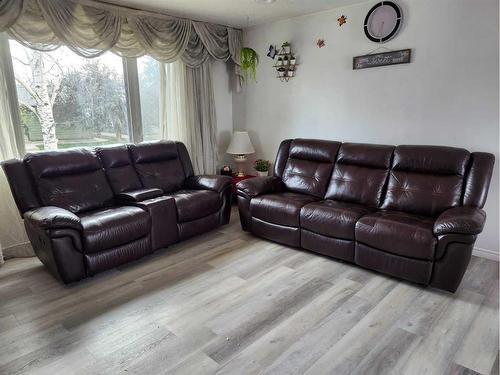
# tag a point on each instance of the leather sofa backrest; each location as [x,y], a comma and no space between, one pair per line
[21,185]
[187,166]
[119,168]
[426,180]
[478,179]
[159,165]
[281,158]
[70,179]
[360,173]
[308,166]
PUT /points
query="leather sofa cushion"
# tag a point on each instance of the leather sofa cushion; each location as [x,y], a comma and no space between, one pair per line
[112,227]
[422,194]
[426,180]
[307,177]
[119,168]
[282,208]
[332,218]
[398,233]
[70,179]
[62,162]
[314,150]
[360,173]
[356,184]
[431,159]
[309,166]
[195,204]
[158,165]
[365,155]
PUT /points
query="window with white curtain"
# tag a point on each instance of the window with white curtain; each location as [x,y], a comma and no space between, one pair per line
[148,70]
[66,100]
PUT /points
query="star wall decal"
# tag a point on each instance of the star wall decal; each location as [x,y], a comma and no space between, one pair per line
[342,20]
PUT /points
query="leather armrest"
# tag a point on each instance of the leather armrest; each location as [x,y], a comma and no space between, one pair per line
[139,195]
[462,220]
[50,217]
[253,187]
[208,182]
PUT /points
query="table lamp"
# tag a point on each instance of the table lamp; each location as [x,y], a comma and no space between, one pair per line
[240,147]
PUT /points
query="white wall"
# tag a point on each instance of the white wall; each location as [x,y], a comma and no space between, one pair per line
[448,95]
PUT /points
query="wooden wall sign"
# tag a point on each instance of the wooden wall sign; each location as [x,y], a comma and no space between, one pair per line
[381,59]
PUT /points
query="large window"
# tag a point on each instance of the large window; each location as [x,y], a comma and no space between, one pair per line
[148,71]
[67,101]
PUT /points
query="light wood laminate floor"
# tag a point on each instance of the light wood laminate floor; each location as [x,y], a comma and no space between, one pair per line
[229,303]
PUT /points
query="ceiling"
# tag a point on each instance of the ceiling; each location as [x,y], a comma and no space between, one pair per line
[236,13]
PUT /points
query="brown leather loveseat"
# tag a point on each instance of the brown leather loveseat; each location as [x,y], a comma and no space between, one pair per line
[412,212]
[86,211]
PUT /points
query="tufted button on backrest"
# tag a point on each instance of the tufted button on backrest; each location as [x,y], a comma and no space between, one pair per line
[119,168]
[360,173]
[158,165]
[309,166]
[426,180]
[71,179]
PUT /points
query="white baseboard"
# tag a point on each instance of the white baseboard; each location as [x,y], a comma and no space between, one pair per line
[485,253]
[21,250]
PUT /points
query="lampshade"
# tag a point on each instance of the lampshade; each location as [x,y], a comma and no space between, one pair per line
[240,144]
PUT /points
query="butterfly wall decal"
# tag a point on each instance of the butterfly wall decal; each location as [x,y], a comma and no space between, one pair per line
[342,20]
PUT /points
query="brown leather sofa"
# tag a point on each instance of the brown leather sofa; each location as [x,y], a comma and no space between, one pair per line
[412,212]
[86,211]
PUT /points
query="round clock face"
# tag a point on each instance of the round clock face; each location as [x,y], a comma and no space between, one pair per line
[383,21]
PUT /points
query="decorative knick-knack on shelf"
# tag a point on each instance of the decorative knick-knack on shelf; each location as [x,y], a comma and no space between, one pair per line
[285,63]
[286,47]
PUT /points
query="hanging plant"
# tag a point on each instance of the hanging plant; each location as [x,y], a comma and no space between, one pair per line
[249,59]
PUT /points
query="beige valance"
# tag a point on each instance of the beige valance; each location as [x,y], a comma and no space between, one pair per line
[91,27]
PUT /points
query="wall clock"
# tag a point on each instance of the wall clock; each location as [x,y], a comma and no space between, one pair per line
[383,21]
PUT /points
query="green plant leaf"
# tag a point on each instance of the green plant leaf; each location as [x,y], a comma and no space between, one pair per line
[249,59]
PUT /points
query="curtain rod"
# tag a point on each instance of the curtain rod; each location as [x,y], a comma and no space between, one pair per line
[103,4]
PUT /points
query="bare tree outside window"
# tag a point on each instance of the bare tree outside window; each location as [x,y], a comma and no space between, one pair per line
[42,84]
[69,101]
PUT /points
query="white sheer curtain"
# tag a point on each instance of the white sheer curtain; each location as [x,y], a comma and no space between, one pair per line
[187,112]
[13,239]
